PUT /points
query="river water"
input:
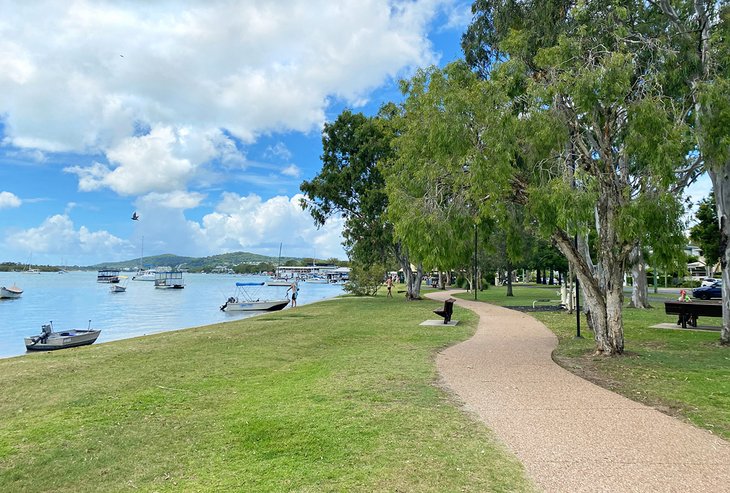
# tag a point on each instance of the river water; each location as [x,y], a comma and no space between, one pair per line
[70,300]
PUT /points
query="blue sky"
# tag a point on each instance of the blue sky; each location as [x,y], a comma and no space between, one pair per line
[202,116]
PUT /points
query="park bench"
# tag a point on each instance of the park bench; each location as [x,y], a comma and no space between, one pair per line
[447,310]
[544,300]
[689,311]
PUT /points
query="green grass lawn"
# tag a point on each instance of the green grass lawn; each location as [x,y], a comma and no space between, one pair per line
[337,396]
[684,373]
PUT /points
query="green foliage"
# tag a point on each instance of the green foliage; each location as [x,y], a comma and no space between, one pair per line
[706,233]
[351,185]
[441,155]
[365,280]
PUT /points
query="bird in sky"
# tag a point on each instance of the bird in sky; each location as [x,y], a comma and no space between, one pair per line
[135,217]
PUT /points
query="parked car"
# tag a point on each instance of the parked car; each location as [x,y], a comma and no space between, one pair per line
[714,290]
[708,281]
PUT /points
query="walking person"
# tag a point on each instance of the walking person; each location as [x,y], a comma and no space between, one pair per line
[294,288]
[389,284]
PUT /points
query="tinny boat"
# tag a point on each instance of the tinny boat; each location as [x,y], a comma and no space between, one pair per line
[49,340]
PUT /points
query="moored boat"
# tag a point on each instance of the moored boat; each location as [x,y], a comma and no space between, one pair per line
[10,292]
[144,275]
[108,275]
[120,287]
[169,280]
[49,340]
[317,280]
[246,299]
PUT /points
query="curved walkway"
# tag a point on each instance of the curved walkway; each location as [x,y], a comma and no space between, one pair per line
[570,434]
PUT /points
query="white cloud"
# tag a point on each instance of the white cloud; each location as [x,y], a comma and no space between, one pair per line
[172,200]
[8,200]
[243,222]
[458,15]
[292,170]
[57,236]
[163,160]
[279,150]
[88,73]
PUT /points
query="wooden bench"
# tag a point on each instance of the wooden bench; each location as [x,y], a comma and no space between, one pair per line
[689,311]
[447,310]
[544,300]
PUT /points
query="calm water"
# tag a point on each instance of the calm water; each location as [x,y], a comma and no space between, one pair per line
[71,300]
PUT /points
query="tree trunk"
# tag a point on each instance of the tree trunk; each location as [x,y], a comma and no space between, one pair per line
[603,293]
[640,289]
[721,187]
[509,279]
[413,279]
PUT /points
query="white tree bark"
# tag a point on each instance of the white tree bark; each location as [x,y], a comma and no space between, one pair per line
[721,187]
[640,290]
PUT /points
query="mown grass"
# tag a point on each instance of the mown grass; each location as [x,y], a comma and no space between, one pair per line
[684,373]
[335,396]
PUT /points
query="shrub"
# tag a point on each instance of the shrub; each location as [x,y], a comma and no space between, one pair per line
[364,280]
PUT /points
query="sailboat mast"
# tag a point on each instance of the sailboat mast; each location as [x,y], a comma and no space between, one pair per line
[278,262]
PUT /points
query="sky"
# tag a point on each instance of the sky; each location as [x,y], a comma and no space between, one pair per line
[204,117]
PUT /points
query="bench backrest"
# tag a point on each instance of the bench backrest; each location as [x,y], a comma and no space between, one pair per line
[449,305]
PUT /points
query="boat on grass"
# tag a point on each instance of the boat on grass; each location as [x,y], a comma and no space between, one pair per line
[10,292]
[49,340]
[169,280]
[247,298]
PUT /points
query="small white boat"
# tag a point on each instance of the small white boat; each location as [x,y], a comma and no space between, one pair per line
[121,287]
[278,281]
[49,340]
[169,280]
[317,280]
[10,292]
[246,299]
[145,275]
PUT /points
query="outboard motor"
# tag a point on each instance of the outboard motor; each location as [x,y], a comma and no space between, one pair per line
[45,332]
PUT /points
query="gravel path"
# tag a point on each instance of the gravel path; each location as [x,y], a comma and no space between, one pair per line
[570,434]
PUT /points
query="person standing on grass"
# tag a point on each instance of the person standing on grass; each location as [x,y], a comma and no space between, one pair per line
[294,288]
[389,284]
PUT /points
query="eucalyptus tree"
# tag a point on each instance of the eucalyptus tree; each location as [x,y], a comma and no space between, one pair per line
[597,141]
[699,31]
[429,178]
[351,185]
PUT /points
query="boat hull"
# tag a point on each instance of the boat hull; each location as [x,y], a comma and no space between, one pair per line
[11,292]
[279,283]
[63,340]
[246,306]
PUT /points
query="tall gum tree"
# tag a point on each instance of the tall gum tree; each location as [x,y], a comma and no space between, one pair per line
[699,31]
[598,144]
[430,175]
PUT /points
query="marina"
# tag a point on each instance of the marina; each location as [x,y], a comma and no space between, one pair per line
[74,298]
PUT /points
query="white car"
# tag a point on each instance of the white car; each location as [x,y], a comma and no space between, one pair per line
[708,281]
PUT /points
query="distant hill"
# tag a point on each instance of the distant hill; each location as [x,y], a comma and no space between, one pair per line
[197,263]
